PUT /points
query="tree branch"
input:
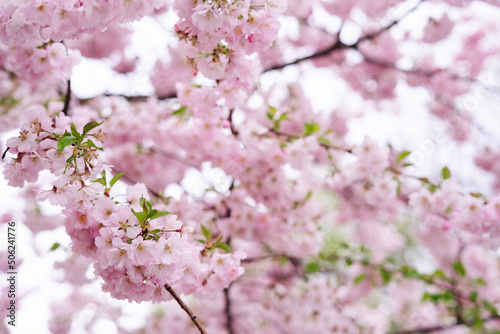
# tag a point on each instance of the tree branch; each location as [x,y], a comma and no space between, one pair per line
[179,301]
[425,330]
[67,99]
[140,98]
[338,45]
[234,131]
[227,311]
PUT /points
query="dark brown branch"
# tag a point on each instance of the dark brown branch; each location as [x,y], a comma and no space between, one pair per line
[5,153]
[297,136]
[231,124]
[227,311]
[140,98]
[173,156]
[132,181]
[183,305]
[67,99]
[338,45]
[271,256]
[425,330]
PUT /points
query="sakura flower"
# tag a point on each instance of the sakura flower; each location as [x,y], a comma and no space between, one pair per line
[169,250]
[26,142]
[142,251]
[135,193]
[104,207]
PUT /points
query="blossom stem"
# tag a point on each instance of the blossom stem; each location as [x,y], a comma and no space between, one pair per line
[67,99]
[227,310]
[185,308]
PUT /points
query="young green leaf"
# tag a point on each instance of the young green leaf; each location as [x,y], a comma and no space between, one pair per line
[311,268]
[359,278]
[115,179]
[206,232]
[55,246]
[324,141]
[65,141]
[225,247]
[445,172]
[140,215]
[403,155]
[101,181]
[158,214]
[459,268]
[89,126]
[91,144]
[74,132]
[180,111]
[310,128]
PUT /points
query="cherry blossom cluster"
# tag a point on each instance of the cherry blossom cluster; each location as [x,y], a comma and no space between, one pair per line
[446,208]
[35,22]
[223,33]
[138,249]
[48,64]
[296,223]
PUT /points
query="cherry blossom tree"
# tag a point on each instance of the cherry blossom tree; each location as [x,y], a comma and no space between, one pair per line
[228,185]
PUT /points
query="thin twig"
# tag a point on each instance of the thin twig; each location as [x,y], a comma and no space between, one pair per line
[227,311]
[439,328]
[5,153]
[67,99]
[338,45]
[231,124]
[183,305]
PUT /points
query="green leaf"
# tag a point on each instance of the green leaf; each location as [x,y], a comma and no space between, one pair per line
[55,246]
[91,144]
[473,296]
[403,155]
[440,274]
[311,267]
[283,117]
[146,205]
[225,247]
[385,275]
[446,296]
[74,132]
[359,278]
[139,215]
[491,308]
[206,232]
[65,141]
[271,112]
[310,128]
[324,141]
[115,179]
[479,282]
[159,214]
[445,172]
[459,268]
[180,111]
[101,181]
[218,240]
[151,213]
[89,126]
[149,205]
